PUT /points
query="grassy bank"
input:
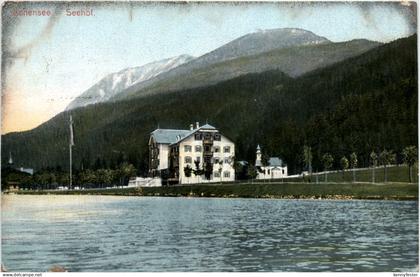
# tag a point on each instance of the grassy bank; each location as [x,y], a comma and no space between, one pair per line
[394,174]
[397,191]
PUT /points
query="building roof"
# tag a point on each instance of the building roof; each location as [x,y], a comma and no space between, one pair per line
[275,161]
[26,170]
[272,161]
[172,136]
[207,126]
[168,136]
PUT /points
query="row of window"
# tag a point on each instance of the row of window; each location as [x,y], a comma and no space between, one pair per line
[188,160]
[226,174]
[221,161]
[268,171]
[198,148]
[207,136]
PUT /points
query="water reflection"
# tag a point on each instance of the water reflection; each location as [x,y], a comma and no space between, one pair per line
[104,233]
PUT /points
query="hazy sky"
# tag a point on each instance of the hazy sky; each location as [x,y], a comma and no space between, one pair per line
[49,60]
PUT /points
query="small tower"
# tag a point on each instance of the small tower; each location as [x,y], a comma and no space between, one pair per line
[10,158]
[258,158]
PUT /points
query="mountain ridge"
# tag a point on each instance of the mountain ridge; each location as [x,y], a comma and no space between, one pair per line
[252,44]
[256,42]
[292,50]
[114,83]
[293,61]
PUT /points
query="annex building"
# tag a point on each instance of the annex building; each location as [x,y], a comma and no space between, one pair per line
[274,168]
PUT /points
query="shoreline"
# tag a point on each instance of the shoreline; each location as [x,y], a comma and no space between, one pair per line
[310,191]
[287,197]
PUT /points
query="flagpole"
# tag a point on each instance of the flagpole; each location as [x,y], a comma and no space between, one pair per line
[70,145]
[70,168]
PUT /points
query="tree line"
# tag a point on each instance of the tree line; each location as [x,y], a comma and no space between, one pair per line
[56,178]
[384,159]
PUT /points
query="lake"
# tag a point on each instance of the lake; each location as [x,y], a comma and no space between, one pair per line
[107,233]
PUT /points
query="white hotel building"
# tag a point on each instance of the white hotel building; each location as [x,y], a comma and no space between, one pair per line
[172,151]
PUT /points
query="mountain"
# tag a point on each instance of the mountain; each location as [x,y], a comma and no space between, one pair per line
[364,103]
[293,51]
[260,42]
[114,83]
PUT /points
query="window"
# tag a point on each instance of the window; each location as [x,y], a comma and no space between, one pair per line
[226,149]
[207,148]
[216,160]
[268,171]
[198,136]
[187,148]
[282,171]
[216,149]
[188,160]
[217,137]
[198,159]
[226,174]
[207,159]
[198,148]
[227,160]
[216,174]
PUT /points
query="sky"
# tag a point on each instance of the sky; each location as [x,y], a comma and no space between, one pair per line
[47,61]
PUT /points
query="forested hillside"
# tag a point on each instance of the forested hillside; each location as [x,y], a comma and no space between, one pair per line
[364,103]
[294,61]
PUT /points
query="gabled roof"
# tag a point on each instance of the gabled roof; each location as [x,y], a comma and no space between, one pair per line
[168,136]
[172,136]
[207,126]
[275,161]
[189,133]
[272,161]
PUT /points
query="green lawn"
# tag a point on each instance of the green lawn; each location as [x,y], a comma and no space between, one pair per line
[395,174]
[400,191]
[293,190]
[338,187]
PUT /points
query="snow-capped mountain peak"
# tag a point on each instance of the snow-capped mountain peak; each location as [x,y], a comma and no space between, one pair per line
[115,83]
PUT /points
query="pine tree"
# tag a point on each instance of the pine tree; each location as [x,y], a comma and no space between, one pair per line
[410,157]
[327,161]
[374,163]
[344,163]
[353,164]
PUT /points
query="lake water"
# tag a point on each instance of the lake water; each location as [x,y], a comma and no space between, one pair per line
[107,233]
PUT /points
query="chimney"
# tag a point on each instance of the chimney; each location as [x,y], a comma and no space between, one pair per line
[197,125]
[191,127]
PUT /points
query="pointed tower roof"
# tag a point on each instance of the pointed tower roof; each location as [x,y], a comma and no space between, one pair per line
[10,158]
[258,158]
